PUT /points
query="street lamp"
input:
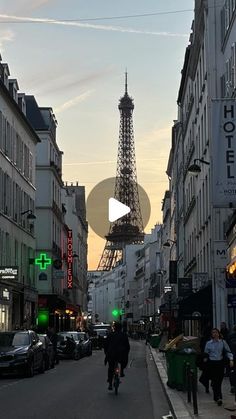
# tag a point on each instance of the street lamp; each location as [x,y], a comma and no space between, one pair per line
[30,215]
[168,243]
[195,169]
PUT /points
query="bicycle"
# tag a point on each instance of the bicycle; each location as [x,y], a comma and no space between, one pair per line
[116,379]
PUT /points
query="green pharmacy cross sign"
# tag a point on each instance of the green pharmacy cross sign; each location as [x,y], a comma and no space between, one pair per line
[43,261]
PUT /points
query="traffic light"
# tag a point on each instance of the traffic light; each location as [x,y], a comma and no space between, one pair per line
[117,312]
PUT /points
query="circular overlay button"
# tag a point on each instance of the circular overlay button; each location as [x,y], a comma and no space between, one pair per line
[99,209]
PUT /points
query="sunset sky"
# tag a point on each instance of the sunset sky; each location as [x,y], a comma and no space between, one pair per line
[72,60]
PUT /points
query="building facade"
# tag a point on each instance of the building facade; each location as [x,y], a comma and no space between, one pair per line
[18,141]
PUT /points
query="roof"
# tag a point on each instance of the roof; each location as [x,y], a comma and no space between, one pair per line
[34,115]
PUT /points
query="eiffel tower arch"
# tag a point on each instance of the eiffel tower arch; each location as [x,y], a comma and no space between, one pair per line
[128,229]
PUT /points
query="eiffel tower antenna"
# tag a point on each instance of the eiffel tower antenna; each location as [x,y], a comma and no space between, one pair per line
[128,229]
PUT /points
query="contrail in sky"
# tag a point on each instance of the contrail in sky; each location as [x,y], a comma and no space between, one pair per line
[88,25]
[72,102]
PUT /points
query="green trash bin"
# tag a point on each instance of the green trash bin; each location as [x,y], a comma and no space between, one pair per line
[176,361]
[155,340]
[171,367]
[182,358]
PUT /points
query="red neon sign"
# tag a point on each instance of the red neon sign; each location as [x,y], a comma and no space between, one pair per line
[69,260]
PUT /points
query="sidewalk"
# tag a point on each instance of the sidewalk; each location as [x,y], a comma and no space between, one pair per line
[207,408]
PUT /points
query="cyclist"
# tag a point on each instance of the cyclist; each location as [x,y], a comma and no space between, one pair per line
[116,349]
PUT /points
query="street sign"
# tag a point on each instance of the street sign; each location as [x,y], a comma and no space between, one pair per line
[58,274]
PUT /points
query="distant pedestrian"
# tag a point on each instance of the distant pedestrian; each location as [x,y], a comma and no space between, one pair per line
[54,339]
[148,335]
[217,349]
[232,345]
[224,331]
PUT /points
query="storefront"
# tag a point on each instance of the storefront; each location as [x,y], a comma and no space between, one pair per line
[5,312]
[51,312]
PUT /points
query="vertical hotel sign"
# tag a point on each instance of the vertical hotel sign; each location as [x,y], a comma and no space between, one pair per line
[69,260]
[224,152]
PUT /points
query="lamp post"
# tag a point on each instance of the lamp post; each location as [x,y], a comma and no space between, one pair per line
[195,169]
[30,215]
[169,243]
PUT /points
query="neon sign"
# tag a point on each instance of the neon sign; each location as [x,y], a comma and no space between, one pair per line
[69,260]
[43,261]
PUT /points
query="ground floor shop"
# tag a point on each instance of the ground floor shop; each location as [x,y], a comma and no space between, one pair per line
[54,311]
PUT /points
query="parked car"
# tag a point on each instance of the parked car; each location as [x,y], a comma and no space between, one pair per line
[86,343]
[98,337]
[48,351]
[69,345]
[21,352]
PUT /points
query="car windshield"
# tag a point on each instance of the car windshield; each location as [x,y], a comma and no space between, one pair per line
[14,339]
[81,335]
[73,335]
[102,332]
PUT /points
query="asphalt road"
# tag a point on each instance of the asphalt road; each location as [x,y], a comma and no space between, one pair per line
[78,390]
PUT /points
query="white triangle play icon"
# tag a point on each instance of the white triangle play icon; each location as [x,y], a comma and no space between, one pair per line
[116,210]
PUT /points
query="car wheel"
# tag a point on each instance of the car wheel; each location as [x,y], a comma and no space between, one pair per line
[30,368]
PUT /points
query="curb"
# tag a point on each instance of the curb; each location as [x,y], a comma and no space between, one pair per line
[179,409]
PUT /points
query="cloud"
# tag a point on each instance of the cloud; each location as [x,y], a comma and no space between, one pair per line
[91,26]
[6,35]
[72,102]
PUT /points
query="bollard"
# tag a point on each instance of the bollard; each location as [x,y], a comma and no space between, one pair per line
[188,382]
[194,391]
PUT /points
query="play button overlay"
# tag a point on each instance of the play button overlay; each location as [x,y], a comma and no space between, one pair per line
[116,210]
[103,209]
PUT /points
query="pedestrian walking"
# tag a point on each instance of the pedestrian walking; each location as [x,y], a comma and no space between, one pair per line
[217,350]
[224,331]
[232,345]
[54,339]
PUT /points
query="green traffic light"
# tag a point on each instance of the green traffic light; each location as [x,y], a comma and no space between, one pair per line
[115,313]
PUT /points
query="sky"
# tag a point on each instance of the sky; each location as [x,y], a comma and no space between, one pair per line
[72,56]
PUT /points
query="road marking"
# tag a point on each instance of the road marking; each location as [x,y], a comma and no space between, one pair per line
[130,364]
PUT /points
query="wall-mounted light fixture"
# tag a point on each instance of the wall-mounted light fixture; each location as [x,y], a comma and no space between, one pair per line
[30,215]
[168,243]
[194,168]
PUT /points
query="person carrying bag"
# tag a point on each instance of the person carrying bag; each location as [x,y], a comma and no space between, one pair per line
[217,350]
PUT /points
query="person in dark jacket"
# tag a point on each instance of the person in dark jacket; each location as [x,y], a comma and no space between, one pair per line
[224,331]
[232,345]
[116,350]
[54,339]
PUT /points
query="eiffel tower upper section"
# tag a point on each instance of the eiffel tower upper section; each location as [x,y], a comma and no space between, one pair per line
[128,229]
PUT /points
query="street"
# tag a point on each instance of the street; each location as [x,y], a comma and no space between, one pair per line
[78,390]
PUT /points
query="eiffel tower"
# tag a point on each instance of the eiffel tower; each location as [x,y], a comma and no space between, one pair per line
[128,229]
